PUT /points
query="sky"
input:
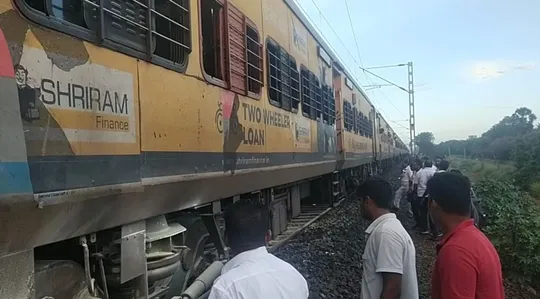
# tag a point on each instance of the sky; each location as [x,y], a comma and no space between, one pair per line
[474,61]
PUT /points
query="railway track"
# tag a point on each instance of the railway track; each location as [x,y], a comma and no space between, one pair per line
[309,214]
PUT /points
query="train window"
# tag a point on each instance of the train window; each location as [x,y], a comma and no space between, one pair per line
[231,51]
[172,32]
[370,127]
[355,120]
[254,60]
[295,84]
[306,93]
[329,105]
[347,115]
[316,107]
[359,123]
[363,130]
[213,36]
[273,65]
[350,119]
[283,78]
[122,25]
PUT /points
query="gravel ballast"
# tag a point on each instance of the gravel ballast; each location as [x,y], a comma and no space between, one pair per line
[329,252]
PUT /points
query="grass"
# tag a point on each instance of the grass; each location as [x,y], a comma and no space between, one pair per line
[477,169]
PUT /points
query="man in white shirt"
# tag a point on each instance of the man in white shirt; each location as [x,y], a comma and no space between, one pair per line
[389,258]
[253,272]
[424,175]
[406,177]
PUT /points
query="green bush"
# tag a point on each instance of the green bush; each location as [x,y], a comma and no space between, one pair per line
[535,190]
[513,227]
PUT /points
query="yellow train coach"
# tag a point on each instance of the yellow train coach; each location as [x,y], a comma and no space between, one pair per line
[121,117]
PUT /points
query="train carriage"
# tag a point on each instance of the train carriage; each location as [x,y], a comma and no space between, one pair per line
[127,126]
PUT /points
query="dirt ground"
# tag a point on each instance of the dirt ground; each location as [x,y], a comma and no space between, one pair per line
[329,253]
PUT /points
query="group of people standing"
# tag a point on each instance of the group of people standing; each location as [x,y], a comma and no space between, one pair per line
[414,180]
[467,265]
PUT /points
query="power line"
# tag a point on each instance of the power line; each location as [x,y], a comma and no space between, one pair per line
[400,125]
[342,43]
[359,65]
[384,95]
[354,34]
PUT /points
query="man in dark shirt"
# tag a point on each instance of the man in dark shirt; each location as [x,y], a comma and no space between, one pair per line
[467,265]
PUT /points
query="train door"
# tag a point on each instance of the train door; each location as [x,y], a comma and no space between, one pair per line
[337,79]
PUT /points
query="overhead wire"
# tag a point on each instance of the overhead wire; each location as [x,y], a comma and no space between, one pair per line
[321,14]
[359,65]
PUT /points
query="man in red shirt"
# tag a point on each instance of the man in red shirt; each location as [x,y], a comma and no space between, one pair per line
[467,266]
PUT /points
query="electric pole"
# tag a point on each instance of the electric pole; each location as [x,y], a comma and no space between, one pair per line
[409,90]
[412,123]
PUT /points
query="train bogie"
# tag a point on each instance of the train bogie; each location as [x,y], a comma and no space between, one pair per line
[127,128]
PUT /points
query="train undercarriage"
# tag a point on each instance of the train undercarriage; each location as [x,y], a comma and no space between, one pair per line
[174,255]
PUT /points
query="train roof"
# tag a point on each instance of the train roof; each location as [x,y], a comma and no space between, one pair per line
[322,42]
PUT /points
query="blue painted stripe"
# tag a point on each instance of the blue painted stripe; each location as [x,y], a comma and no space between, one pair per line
[14,178]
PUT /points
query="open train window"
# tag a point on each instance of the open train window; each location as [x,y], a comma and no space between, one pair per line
[254,60]
[123,25]
[231,51]
[213,37]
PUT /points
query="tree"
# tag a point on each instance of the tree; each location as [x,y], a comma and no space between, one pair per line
[519,123]
[501,148]
[424,141]
[527,159]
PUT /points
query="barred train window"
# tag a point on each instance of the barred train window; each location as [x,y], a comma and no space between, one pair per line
[283,78]
[348,116]
[273,66]
[362,124]
[329,104]
[165,35]
[315,97]
[311,94]
[355,120]
[241,71]
[254,60]
[307,100]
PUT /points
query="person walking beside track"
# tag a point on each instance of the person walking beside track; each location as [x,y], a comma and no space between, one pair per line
[424,175]
[253,272]
[389,258]
[412,196]
[406,179]
[467,265]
